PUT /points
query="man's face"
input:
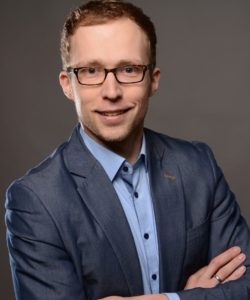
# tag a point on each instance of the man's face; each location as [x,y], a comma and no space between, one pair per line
[111,112]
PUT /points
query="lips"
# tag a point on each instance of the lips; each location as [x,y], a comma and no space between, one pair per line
[113,113]
[113,117]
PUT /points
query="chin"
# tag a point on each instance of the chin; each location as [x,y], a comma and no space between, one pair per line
[113,138]
[115,135]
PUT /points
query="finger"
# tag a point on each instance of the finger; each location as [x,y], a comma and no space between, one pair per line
[216,279]
[221,260]
[236,274]
[231,266]
[200,272]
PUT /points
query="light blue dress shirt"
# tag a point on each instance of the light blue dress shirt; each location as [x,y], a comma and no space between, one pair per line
[131,183]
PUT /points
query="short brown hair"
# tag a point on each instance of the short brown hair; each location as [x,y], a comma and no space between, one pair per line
[100,12]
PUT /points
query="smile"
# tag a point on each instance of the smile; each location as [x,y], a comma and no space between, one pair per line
[113,113]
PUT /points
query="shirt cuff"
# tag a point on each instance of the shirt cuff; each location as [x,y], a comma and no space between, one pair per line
[172,296]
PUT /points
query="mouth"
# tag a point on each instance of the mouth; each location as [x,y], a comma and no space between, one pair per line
[113,117]
[113,113]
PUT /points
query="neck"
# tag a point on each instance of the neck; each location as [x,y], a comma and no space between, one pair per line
[129,148]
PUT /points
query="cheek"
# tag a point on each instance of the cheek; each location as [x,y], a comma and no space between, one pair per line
[144,107]
[139,94]
[82,109]
[82,102]
[143,100]
[78,106]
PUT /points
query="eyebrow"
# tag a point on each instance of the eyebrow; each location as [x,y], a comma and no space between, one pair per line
[123,62]
[129,62]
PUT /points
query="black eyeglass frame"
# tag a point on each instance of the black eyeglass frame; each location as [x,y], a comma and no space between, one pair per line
[113,70]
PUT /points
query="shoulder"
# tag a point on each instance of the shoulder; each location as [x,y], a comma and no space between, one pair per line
[43,170]
[45,182]
[39,177]
[191,157]
[176,146]
[51,169]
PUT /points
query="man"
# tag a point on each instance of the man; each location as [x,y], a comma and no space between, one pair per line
[119,210]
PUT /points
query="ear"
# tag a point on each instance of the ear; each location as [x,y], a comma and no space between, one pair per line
[155,79]
[65,83]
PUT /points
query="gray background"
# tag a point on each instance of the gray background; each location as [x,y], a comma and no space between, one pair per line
[203,52]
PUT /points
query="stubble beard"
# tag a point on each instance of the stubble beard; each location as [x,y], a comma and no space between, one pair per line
[114,139]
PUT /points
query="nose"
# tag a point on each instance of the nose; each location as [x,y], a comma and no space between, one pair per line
[111,88]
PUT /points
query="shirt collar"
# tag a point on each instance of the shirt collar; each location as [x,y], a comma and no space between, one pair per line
[110,161]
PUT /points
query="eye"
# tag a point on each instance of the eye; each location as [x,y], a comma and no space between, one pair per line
[91,70]
[129,69]
[88,70]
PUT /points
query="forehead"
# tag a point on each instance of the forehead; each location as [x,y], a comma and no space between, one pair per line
[109,43]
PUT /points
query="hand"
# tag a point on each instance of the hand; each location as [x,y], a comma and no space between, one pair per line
[226,267]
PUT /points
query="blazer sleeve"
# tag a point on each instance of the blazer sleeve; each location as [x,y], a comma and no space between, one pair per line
[227,228]
[41,268]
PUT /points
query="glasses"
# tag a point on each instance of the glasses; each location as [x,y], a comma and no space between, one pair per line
[96,75]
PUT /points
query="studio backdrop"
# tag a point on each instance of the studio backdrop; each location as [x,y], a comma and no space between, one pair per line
[203,53]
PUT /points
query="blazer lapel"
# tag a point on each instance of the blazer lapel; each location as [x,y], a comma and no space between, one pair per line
[169,206]
[100,197]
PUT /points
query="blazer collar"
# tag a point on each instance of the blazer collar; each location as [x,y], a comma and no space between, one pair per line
[78,160]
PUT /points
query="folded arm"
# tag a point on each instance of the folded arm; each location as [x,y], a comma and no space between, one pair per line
[227,266]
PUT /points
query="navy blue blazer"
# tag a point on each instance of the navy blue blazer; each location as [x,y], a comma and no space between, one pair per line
[68,236]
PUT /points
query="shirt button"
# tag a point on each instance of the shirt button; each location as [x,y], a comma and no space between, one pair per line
[125,169]
[154,276]
[136,194]
[146,236]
